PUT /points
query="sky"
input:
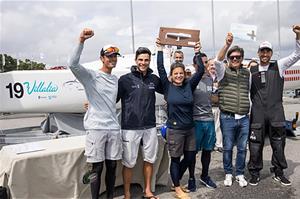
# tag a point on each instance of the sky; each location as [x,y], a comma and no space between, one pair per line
[48,31]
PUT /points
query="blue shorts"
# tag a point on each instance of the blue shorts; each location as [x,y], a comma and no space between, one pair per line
[205,135]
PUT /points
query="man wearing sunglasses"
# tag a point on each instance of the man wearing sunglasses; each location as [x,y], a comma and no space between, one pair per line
[103,138]
[137,93]
[234,106]
[267,113]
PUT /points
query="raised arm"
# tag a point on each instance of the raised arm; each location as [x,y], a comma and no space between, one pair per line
[158,85]
[224,49]
[286,62]
[220,67]
[81,73]
[199,68]
[160,65]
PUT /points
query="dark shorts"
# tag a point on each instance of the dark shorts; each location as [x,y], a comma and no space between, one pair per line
[180,141]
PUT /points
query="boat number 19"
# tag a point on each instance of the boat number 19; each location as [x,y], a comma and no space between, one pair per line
[15,89]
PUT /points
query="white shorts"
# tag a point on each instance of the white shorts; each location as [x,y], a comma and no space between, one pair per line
[103,144]
[132,140]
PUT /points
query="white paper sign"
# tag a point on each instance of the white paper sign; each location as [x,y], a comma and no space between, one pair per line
[243,31]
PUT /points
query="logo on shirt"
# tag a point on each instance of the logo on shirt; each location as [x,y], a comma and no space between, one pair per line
[135,86]
[252,136]
[151,85]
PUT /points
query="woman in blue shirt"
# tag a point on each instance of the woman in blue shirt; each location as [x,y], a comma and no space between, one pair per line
[178,92]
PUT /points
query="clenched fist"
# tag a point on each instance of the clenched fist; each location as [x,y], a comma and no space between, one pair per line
[296,29]
[229,38]
[86,34]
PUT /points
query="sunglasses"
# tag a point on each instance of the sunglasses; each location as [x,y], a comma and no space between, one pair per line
[235,57]
[111,50]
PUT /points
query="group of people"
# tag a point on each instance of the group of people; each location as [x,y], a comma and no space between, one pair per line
[191,121]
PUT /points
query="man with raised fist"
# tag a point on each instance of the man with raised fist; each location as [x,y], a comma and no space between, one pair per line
[267,114]
[234,104]
[103,137]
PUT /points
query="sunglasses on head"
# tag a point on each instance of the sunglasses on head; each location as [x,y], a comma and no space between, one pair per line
[238,57]
[111,50]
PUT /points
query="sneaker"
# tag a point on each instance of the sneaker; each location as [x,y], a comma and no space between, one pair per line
[241,180]
[208,182]
[254,180]
[228,180]
[192,185]
[283,180]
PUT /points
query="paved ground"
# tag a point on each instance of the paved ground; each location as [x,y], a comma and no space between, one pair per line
[266,189]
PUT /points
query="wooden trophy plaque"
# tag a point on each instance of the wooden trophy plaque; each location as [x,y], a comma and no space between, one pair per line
[178,36]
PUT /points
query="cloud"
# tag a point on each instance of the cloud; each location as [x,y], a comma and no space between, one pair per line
[107,23]
[41,10]
[29,28]
[127,31]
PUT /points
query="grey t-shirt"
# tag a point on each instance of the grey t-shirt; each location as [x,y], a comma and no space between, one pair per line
[202,110]
[101,90]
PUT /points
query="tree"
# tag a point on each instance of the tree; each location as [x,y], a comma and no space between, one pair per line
[10,64]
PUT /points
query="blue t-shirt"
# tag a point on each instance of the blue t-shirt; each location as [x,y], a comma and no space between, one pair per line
[179,98]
